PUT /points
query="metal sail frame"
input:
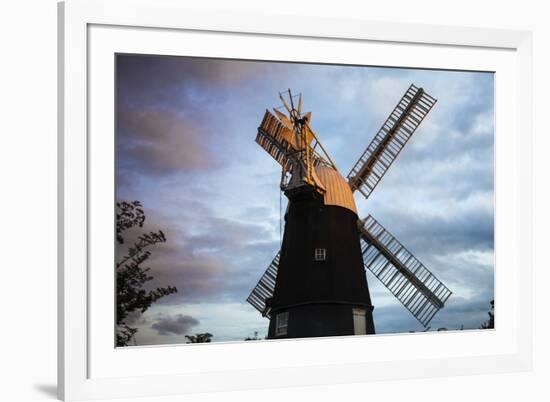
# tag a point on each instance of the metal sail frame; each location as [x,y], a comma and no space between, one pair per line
[401,272]
[416,287]
[265,287]
[390,140]
[404,275]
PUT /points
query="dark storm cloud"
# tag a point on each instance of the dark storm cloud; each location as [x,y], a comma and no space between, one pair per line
[147,78]
[204,256]
[220,267]
[167,122]
[175,263]
[440,235]
[179,324]
[160,141]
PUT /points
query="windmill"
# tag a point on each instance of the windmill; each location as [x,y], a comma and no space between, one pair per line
[316,285]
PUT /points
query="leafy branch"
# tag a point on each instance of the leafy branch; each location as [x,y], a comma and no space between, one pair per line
[130,275]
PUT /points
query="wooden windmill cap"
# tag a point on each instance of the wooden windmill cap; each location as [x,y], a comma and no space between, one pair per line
[338,192]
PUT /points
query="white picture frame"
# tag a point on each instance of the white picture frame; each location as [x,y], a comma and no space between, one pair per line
[90,31]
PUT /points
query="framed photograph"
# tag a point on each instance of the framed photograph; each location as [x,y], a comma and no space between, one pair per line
[252,201]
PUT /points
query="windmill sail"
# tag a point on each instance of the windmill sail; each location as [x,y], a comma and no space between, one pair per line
[406,277]
[265,287]
[278,140]
[390,140]
[275,138]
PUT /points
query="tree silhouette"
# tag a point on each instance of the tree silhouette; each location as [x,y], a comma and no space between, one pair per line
[490,323]
[199,338]
[252,338]
[130,275]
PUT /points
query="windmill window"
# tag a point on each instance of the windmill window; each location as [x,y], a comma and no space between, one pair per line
[320,254]
[281,324]
[359,321]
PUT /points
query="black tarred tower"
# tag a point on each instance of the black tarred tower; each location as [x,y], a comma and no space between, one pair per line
[316,285]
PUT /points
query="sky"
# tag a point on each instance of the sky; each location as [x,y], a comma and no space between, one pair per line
[185,148]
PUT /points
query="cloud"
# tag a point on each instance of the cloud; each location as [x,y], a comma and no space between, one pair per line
[186,151]
[178,324]
[176,263]
[162,112]
[428,234]
[226,321]
[142,79]
[174,113]
[469,313]
[158,141]
[205,256]
[136,317]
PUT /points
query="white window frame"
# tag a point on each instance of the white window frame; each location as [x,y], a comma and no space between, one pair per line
[320,254]
[359,321]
